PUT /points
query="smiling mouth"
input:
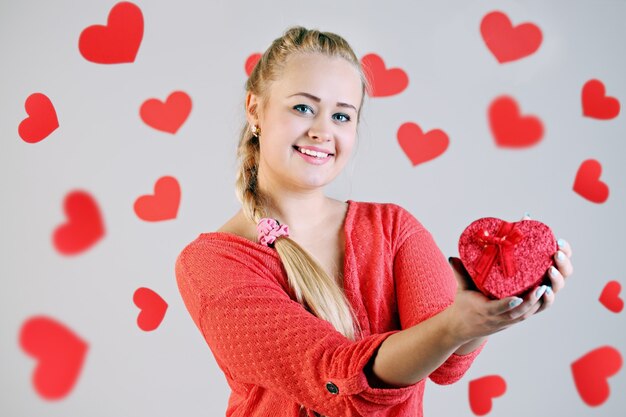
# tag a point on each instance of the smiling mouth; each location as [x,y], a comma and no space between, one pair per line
[298,149]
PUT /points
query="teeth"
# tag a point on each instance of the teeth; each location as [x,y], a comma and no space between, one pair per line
[313,153]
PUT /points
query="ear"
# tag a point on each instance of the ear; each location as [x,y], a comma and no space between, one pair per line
[252,106]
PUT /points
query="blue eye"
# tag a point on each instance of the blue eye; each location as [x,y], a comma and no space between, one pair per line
[300,106]
[345,116]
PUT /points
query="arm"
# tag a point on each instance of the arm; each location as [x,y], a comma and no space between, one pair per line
[260,336]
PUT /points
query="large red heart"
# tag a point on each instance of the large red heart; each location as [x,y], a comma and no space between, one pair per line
[610,297]
[152,308]
[251,63]
[506,259]
[508,42]
[483,390]
[166,116]
[592,371]
[510,129]
[587,182]
[84,226]
[42,119]
[60,352]
[163,205]
[383,82]
[421,147]
[596,104]
[118,41]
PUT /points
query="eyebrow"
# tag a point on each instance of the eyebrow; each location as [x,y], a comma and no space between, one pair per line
[317,99]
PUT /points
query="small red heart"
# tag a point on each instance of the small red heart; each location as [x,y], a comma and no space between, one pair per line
[152,308]
[610,297]
[41,121]
[383,82]
[507,42]
[169,116]
[60,354]
[592,371]
[587,183]
[483,390]
[118,41]
[509,128]
[421,147]
[84,226]
[163,204]
[251,63]
[530,257]
[596,103]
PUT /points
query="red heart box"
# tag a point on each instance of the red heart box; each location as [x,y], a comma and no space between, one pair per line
[506,259]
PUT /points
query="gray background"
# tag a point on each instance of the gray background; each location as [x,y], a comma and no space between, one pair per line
[102,146]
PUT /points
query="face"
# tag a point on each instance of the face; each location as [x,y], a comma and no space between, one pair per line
[313,104]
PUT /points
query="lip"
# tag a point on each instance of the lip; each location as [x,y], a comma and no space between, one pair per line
[314,148]
[313,160]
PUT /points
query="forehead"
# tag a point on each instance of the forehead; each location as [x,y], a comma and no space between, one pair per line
[330,78]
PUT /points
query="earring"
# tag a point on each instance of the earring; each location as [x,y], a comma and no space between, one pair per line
[256,131]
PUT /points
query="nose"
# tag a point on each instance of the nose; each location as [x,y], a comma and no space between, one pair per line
[321,130]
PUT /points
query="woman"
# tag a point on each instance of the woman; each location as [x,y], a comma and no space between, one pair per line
[314,306]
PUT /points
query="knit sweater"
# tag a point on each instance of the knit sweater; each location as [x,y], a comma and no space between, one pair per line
[281,360]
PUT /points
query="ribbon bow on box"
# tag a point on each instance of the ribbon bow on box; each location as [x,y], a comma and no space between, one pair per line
[505,258]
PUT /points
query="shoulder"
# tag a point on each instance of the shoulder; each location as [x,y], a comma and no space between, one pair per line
[388,218]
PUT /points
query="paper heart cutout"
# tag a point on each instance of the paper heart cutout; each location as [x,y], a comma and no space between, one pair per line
[587,182]
[84,227]
[41,121]
[166,116]
[529,258]
[510,129]
[152,307]
[383,82]
[507,42]
[251,63]
[117,42]
[596,103]
[592,371]
[163,204]
[610,297]
[60,354]
[483,390]
[421,147]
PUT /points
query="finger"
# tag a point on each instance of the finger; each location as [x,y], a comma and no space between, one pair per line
[564,246]
[548,299]
[526,216]
[563,264]
[557,281]
[500,307]
[530,305]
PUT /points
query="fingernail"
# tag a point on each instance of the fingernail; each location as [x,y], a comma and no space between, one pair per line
[540,291]
[527,214]
[560,255]
[561,243]
[515,302]
[548,290]
[553,271]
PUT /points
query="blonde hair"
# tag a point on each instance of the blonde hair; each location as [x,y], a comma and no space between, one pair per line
[313,287]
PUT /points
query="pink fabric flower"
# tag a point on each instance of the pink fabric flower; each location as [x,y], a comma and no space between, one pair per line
[269,229]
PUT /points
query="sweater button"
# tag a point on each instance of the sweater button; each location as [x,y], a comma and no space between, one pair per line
[332,388]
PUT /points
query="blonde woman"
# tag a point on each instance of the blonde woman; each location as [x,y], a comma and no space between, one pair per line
[314,306]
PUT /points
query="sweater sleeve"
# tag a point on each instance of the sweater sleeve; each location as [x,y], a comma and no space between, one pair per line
[260,336]
[425,286]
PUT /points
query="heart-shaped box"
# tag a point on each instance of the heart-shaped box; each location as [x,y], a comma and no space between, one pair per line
[506,259]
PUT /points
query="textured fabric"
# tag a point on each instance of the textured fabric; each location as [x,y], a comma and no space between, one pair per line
[278,358]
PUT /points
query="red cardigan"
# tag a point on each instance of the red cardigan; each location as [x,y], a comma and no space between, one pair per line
[276,356]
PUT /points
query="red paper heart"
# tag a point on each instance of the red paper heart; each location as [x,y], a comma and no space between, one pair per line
[251,63]
[169,116]
[507,42]
[509,128]
[530,257]
[596,103]
[610,297]
[592,371]
[483,390]
[152,308]
[383,82]
[84,226]
[118,41]
[421,147]
[587,183]
[163,204]
[41,121]
[60,354]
